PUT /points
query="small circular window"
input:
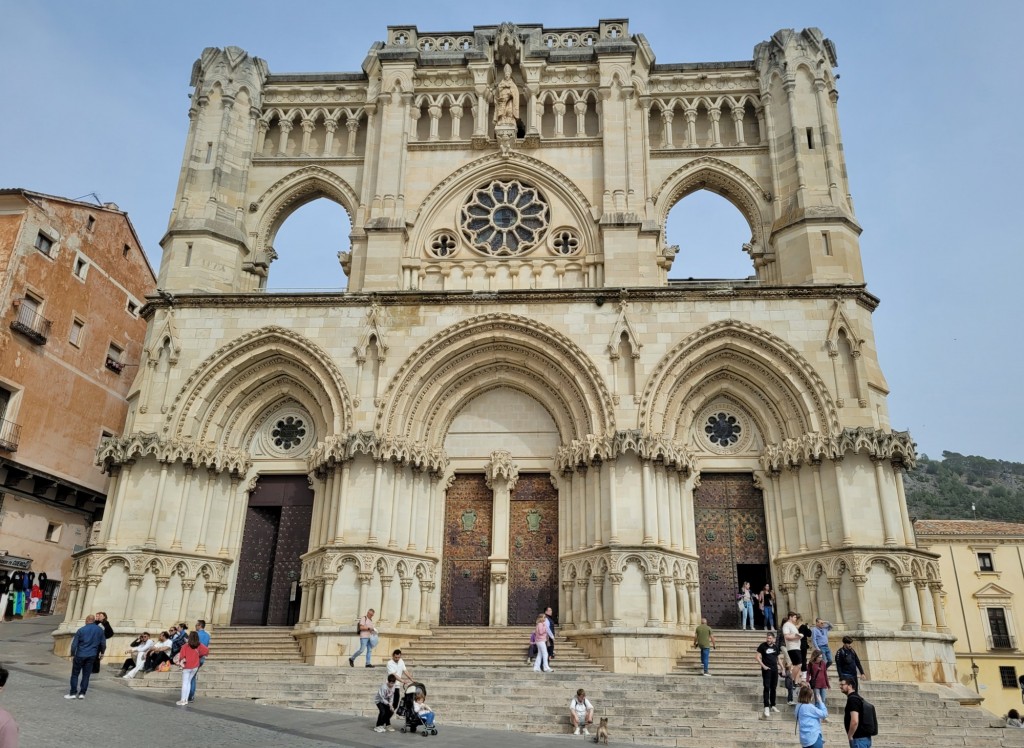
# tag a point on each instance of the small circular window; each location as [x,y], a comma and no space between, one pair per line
[288,433]
[723,429]
[504,218]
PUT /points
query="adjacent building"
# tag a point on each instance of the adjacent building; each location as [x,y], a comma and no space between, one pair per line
[511,405]
[982,563]
[73,280]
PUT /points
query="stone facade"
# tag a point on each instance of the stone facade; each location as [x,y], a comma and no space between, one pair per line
[509,313]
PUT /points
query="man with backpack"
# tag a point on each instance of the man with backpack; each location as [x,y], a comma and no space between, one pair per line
[860,720]
[848,663]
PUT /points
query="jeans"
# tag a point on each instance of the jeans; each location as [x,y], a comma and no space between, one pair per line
[427,718]
[860,743]
[747,615]
[819,743]
[821,693]
[81,665]
[364,643]
[195,679]
[769,618]
[827,654]
[770,678]
[384,713]
[705,657]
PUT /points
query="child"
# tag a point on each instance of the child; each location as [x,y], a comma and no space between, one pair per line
[817,674]
[531,652]
[423,711]
[385,705]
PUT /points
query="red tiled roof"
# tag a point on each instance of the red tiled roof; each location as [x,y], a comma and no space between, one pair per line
[972,527]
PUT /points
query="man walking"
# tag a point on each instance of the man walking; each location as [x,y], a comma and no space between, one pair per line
[204,639]
[768,659]
[87,647]
[367,630]
[857,729]
[848,663]
[791,638]
[704,639]
[819,635]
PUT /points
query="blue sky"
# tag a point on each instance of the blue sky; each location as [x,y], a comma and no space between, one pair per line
[930,108]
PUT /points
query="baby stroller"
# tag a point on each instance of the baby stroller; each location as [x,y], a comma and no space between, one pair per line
[406,710]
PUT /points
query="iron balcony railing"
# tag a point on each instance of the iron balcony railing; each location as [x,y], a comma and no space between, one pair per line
[114,365]
[10,434]
[1002,641]
[33,326]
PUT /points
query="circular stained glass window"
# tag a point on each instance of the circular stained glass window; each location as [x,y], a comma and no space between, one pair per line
[288,432]
[504,218]
[723,429]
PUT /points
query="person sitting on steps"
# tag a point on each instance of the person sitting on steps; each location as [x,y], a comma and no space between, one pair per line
[581,712]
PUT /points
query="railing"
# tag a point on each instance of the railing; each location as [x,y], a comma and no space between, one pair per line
[10,434]
[33,326]
[1002,641]
[114,365]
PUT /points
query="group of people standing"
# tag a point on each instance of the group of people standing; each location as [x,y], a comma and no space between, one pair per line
[765,600]
[542,642]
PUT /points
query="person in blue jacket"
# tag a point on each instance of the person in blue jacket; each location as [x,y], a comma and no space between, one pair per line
[87,646]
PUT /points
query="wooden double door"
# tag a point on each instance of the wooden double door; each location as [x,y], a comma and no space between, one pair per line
[276,534]
[732,543]
[533,551]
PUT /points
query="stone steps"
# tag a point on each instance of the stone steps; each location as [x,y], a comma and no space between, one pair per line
[449,646]
[255,643]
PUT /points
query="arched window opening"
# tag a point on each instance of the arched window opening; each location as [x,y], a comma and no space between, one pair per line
[850,390]
[372,368]
[307,247]
[626,366]
[710,233]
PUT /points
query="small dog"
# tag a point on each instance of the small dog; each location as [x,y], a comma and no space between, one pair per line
[602,731]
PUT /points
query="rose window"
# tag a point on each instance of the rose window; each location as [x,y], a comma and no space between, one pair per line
[504,218]
[723,429]
[288,432]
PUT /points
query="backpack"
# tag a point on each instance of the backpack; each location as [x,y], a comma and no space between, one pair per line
[868,718]
[844,661]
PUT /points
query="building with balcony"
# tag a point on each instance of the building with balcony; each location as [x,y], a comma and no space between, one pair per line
[511,403]
[982,565]
[73,279]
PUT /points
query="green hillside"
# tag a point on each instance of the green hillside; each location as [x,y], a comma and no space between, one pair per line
[946,488]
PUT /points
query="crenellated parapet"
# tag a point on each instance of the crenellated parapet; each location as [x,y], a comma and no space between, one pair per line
[117,451]
[895,446]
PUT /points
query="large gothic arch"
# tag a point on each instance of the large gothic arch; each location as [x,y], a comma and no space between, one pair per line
[468,358]
[759,368]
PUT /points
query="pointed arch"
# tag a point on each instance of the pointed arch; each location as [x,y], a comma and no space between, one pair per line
[766,374]
[495,350]
[246,375]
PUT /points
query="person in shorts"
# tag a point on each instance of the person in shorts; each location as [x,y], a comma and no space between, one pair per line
[791,640]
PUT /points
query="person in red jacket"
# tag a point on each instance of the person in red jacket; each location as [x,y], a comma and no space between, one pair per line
[188,659]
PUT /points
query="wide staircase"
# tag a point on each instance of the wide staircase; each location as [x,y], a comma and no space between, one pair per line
[458,646]
[734,654]
[262,643]
[688,711]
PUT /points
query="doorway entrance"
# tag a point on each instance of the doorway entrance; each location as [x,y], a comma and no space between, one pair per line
[732,543]
[533,549]
[276,534]
[466,574]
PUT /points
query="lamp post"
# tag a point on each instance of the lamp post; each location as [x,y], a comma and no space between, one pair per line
[974,675]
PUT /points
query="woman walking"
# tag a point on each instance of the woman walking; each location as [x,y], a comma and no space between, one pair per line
[188,659]
[766,600]
[817,675]
[541,635]
[809,714]
[746,605]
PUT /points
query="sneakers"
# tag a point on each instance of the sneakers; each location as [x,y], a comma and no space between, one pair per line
[379,729]
[790,703]
[182,703]
[586,731]
[766,714]
[576,731]
[129,676]
[69,696]
[388,728]
[351,662]
[775,709]
[707,674]
[81,695]
[369,665]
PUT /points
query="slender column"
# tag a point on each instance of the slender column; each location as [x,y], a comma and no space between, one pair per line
[318,600]
[330,125]
[70,613]
[568,614]
[431,510]
[837,463]
[790,88]
[580,107]
[579,485]
[827,141]
[352,127]
[716,132]
[616,580]
[128,619]
[397,471]
[182,508]
[158,604]
[225,534]
[662,503]
[682,603]
[304,602]
[693,588]
[403,614]
[911,611]
[327,614]
[780,525]
[924,604]
[372,538]
[307,130]
[908,526]
[591,507]
[672,497]
[208,603]
[862,607]
[435,118]
[667,116]
[649,510]
[414,504]
[204,525]
[819,501]
[424,598]
[455,113]
[794,472]
[320,479]
[598,601]
[613,520]
[364,590]
[566,501]
[691,127]
[834,584]
[596,504]
[218,615]
[888,523]
[559,109]
[812,593]
[689,523]
[154,521]
[285,127]
[737,119]
[110,529]
[79,610]
[342,493]
[92,583]
[385,590]
[187,585]
[261,136]
[582,593]
[653,598]
[762,133]
[940,611]
[329,507]
[667,607]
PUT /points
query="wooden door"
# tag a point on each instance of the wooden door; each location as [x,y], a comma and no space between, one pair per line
[533,549]
[252,586]
[465,576]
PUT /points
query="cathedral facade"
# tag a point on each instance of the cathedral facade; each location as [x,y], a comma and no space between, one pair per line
[511,406]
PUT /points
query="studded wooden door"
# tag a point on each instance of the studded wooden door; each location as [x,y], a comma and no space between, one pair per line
[730,524]
[533,549]
[465,578]
[276,534]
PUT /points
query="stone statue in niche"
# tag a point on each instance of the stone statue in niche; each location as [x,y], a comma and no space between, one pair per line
[506,101]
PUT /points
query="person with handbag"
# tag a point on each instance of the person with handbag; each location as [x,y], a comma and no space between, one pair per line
[367,638]
[810,711]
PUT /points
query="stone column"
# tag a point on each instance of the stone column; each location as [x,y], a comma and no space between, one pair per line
[329,507]
[342,493]
[888,523]
[364,591]
[261,136]
[580,108]
[689,522]
[225,535]
[667,606]
[218,614]
[820,503]
[326,616]
[613,521]
[650,511]
[834,584]
[372,536]
[780,524]
[307,130]
[579,494]
[862,607]
[403,608]
[911,613]
[425,588]
[737,119]
[675,524]
[558,108]
[352,127]
[789,86]
[682,603]
[110,528]
[598,601]
[208,606]
[667,115]
[456,114]
[204,525]
[285,127]
[330,125]
[501,475]
[432,508]
[182,507]
[158,604]
[318,600]
[616,580]
[827,142]
[653,599]
[397,473]
[794,471]
[662,503]
[715,115]
[567,615]
[788,590]
[908,526]
[187,586]
[582,590]
[414,504]
[128,619]
[304,586]
[385,589]
[924,603]
[844,512]
[940,611]
[812,592]
[691,127]
[154,521]
[73,597]
[693,588]
[91,582]
[593,505]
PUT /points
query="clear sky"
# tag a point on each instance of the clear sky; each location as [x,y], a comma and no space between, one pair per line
[95,101]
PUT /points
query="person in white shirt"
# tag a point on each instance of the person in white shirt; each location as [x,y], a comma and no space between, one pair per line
[138,654]
[791,638]
[396,667]
[581,712]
